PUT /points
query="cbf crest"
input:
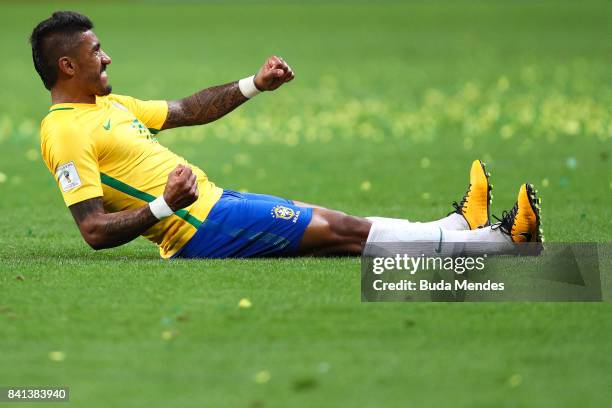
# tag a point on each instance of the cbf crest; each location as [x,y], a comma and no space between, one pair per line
[143,130]
[285,213]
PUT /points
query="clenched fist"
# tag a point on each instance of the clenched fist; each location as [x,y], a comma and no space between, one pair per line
[182,188]
[273,74]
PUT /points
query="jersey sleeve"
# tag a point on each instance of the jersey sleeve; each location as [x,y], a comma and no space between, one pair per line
[152,113]
[72,159]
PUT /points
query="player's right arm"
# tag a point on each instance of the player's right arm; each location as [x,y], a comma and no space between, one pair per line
[72,157]
[106,230]
[101,230]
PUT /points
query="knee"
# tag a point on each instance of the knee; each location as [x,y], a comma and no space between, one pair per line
[335,231]
[349,226]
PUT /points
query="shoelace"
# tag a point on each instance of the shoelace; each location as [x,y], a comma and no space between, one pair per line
[506,220]
[459,206]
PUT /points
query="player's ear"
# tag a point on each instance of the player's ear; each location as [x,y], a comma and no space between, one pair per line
[67,66]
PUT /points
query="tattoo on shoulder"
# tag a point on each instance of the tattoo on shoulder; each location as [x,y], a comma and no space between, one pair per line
[205,106]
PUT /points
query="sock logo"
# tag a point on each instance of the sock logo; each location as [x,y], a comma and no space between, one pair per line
[439,249]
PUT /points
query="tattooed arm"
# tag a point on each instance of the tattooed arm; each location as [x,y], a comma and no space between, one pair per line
[212,103]
[106,230]
[101,230]
[205,106]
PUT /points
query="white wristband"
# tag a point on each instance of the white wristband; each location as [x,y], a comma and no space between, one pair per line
[160,208]
[247,87]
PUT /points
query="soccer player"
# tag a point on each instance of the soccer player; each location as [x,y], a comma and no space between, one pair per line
[119,182]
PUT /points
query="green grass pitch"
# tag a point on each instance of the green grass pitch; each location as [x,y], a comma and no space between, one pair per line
[391,103]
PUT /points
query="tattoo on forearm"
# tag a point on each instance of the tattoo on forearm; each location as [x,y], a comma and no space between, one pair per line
[113,229]
[128,223]
[205,106]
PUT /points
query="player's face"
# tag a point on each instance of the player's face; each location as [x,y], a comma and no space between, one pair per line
[92,61]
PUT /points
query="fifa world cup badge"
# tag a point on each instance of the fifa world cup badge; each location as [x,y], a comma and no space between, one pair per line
[68,177]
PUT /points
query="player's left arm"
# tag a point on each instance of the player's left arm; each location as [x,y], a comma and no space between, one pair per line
[215,102]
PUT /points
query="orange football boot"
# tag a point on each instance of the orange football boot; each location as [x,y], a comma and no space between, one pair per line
[523,222]
[475,206]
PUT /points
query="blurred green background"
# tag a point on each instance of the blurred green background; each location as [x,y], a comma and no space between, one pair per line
[391,103]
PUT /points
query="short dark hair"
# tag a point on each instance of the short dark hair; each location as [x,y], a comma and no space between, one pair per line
[53,38]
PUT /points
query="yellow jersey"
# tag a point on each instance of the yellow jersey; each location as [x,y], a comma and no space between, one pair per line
[108,149]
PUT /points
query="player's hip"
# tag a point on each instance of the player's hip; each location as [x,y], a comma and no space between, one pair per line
[242,225]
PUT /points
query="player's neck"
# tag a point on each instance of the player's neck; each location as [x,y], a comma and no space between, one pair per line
[60,95]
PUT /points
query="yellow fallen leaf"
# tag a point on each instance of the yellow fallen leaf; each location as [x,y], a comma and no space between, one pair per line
[57,356]
[244,303]
[262,377]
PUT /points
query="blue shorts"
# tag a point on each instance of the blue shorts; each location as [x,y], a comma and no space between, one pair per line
[244,225]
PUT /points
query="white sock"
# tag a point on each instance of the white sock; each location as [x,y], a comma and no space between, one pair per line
[454,222]
[485,234]
[481,240]
[387,238]
[389,221]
